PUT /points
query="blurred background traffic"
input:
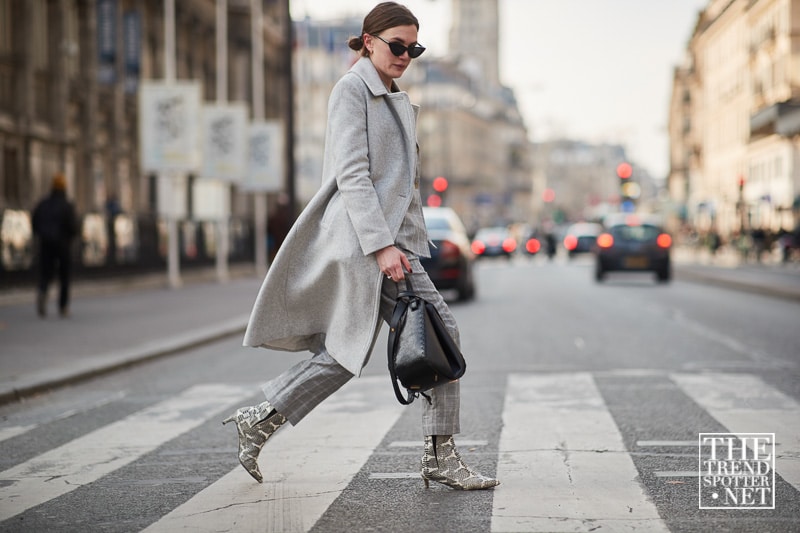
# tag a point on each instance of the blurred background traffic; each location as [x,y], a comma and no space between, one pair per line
[76,85]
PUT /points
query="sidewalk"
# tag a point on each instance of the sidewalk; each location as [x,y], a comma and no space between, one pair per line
[117,323]
[770,278]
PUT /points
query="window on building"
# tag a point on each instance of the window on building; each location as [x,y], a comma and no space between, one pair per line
[40,34]
[71,46]
[6,43]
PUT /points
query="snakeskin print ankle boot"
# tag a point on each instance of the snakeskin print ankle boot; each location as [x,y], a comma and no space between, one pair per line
[443,463]
[255,425]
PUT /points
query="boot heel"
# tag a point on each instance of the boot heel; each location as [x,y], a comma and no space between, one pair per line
[229,419]
[426,481]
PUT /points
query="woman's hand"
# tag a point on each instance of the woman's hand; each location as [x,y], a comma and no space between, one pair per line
[392,262]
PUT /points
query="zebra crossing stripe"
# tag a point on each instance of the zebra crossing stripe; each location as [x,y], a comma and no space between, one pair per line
[305,467]
[743,403]
[562,462]
[12,431]
[86,459]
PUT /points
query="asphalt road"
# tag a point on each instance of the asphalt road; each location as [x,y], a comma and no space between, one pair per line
[586,400]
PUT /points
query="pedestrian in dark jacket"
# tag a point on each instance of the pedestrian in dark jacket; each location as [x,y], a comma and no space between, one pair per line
[56,225]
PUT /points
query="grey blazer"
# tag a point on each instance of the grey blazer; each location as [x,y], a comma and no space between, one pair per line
[324,285]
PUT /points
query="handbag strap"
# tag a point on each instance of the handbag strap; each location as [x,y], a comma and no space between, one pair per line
[399,311]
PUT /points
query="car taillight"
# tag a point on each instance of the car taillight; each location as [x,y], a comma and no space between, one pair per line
[605,240]
[570,242]
[664,240]
[533,246]
[509,245]
[448,250]
[478,247]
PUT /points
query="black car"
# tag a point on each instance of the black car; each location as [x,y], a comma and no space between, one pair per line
[581,237]
[494,242]
[632,243]
[451,263]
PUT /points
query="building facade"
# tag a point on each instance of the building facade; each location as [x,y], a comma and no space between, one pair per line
[70,72]
[735,119]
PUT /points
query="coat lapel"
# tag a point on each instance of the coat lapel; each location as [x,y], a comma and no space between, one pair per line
[404,112]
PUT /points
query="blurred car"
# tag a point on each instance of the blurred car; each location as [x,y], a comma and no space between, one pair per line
[581,237]
[531,244]
[494,242]
[633,243]
[451,263]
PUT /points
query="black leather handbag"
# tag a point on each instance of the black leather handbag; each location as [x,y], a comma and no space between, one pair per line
[421,353]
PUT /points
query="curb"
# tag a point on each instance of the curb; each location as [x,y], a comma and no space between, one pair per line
[761,289]
[85,369]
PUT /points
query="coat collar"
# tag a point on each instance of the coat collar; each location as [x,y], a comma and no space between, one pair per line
[365,70]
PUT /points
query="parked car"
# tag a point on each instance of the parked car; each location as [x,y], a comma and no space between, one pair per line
[633,243]
[494,242]
[451,263]
[580,238]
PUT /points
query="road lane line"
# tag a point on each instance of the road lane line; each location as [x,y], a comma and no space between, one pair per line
[667,443]
[677,473]
[395,475]
[12,431]
[96,454]
[305,468]
[743,403]
[462,444]
[562,463]
[44,416]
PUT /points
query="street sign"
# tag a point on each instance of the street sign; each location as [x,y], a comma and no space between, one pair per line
[265,172]
[224,141]
[169,125]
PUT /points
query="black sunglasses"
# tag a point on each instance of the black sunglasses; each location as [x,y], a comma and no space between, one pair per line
[414,51]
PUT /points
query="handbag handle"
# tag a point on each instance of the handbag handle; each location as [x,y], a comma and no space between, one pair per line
[399,311]
[404,299]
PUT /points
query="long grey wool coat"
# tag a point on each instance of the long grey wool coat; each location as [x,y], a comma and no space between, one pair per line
[324,285]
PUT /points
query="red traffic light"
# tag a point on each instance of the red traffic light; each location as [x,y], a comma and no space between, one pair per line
[624,171]
[440,184]
[434,200]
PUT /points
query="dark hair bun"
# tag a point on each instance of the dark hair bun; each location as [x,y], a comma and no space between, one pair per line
[356,43]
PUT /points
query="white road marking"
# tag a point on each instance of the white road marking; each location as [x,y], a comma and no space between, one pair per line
[109,448]
[44,416]
[305,468]
[395,475]
[743,403]
[562,464]
[677,473]
[667,443]
[12,431]
[461,443]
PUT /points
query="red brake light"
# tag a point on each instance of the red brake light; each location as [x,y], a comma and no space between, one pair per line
[509,245]
[605,240]
[664,240]
[448,250]
[478,247]
[533,246]
[570,242]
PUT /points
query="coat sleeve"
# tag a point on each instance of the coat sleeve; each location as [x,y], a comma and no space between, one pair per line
[349,151]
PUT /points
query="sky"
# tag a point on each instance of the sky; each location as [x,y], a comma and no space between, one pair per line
[592,70]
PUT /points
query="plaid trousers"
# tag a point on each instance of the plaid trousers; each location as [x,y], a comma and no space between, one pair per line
[297,391]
